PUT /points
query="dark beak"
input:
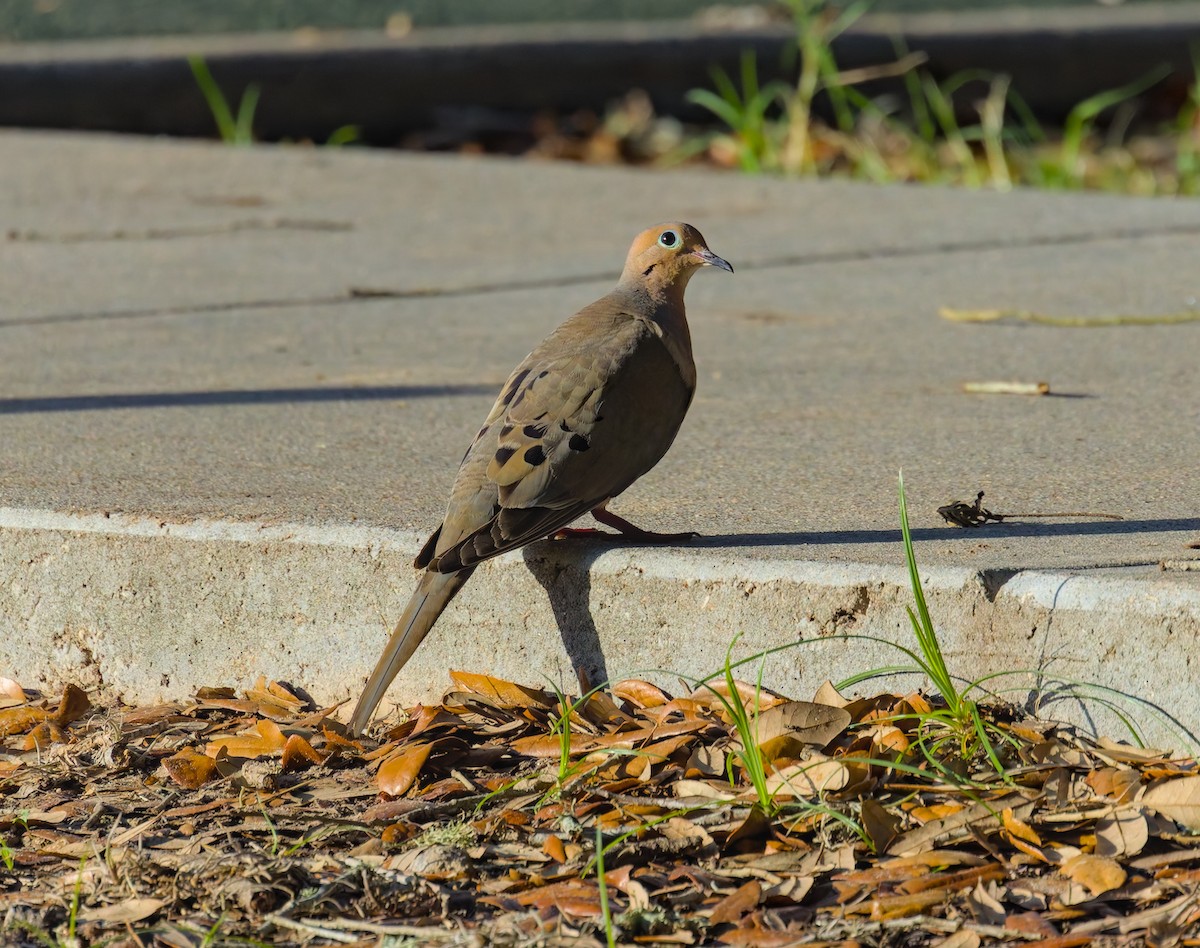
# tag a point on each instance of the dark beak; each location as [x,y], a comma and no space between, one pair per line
[709,259]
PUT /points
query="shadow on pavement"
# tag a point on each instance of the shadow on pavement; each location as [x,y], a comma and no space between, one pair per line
[1014,528]
[568,584]
[264,396]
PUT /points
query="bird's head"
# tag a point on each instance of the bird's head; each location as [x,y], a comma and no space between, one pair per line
[667,255]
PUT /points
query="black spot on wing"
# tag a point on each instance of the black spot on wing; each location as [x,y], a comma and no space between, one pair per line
[563,425]
[505,431]
[513,386]
[534,431]
[578,443]
[503,454]
[535,455]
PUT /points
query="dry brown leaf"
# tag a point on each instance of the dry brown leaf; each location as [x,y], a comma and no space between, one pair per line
[554,848]
[72,706]
[259,741]
[809,778]
[827,694]
[881,825]
[1177,799]
[1030,923]
[715,695]
[706,761]
[506,694]
[1098,874]
[190,769]
[45,734]
[742,900]
[917,703]
[985,904]
[336,742]
[815,724]
[621,880]
[399,772]
[1125,833]
[20,720]
[640,694]
[702,789]
[273,698]
[781,749]
[11,693]
[887,741]
[1120,783]
[935,859]
[1128,754]
[938,811]
[1018,828]
[131,910]
[298,754]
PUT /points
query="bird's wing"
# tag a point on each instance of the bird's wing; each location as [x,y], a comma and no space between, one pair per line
[586,414]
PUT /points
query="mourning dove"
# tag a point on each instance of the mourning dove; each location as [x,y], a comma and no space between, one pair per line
[588,412]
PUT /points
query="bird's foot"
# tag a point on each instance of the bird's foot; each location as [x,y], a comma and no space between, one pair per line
[626,532]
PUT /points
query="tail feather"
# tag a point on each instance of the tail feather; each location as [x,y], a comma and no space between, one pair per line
[432,595]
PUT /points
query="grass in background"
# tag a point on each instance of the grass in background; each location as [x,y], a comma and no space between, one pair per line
[970,129]
[239,129]
[233,130]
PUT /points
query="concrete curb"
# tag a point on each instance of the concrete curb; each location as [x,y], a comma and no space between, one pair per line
[104,601]
[314,84]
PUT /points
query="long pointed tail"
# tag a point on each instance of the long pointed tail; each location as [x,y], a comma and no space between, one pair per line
[432,595]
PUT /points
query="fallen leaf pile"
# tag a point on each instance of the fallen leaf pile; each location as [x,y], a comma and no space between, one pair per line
[511,815]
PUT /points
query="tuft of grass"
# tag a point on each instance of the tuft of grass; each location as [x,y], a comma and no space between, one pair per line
[746,724]
[234,129]
[924,135]
[457,833]
[754,138]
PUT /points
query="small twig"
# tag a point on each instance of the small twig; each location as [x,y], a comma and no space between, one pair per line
[295,925]
[378,928]
[1007,388]
[962,514]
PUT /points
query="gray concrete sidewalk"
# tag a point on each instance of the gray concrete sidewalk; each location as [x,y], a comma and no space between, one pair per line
[235,384]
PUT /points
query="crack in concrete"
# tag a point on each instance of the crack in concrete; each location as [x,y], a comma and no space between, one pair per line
[365,294]
[174,233]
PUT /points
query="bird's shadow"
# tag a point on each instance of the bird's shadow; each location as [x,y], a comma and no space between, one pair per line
[566,577]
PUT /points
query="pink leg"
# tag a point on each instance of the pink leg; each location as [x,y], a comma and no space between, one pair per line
[626,531]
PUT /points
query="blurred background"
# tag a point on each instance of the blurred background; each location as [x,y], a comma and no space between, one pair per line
[980,93]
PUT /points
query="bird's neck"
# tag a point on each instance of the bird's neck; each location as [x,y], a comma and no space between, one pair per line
[662,304]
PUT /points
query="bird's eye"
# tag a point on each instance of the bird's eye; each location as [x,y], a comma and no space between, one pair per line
[668,239]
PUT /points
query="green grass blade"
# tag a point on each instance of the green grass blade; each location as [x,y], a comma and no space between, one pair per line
[226,126]
[926,635]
